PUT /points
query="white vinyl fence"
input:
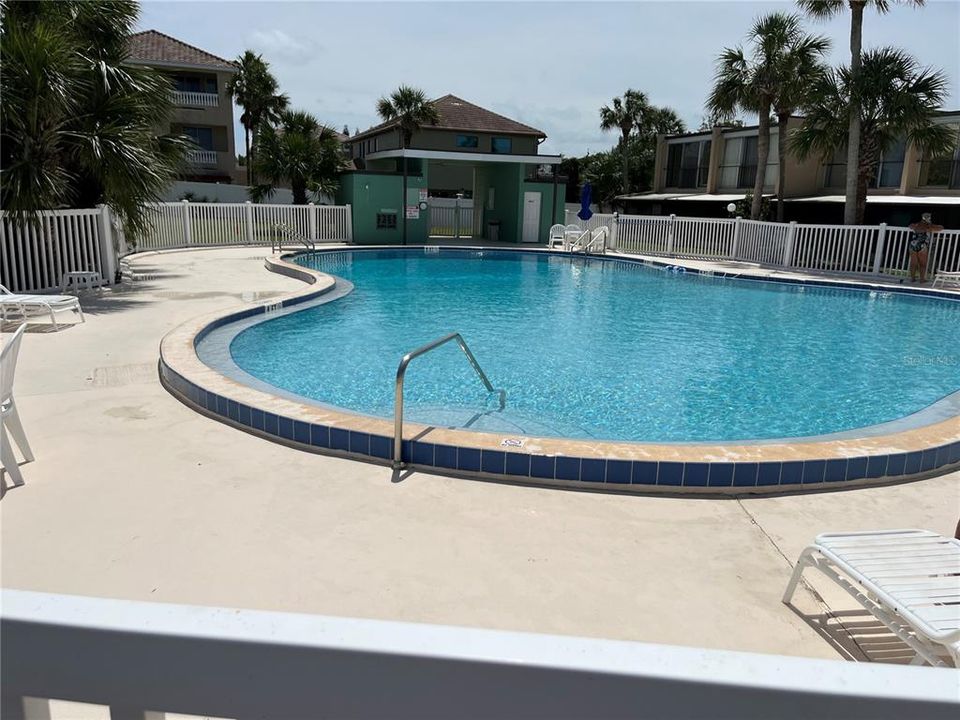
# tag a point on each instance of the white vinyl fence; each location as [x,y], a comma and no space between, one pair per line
[35,253]
[849,249]
[185,224]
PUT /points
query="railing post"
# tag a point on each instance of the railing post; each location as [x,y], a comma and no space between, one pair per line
[313,220]
[187,230]
[108,253]
[787,259]
[248,221]
[881,242]
[735,246]
[673,220]
[349,224]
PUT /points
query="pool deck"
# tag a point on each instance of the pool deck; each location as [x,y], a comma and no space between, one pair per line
[134,495]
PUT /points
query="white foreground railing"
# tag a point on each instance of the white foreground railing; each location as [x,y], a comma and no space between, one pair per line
[135,657]
[36,253]
[846,249]
[184,224]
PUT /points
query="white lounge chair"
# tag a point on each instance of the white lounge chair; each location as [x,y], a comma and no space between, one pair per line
[9,418]
[908,579]
[946,279]
[556,235]
[15,306]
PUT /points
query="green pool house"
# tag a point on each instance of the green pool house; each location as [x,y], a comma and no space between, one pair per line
[473,174]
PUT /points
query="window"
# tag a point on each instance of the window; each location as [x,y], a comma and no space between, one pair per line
[202,136]
[501,145]
[386,221]
[890,167]
[688,164]
[942,171]
[195,83]
[747,175]
[467,141]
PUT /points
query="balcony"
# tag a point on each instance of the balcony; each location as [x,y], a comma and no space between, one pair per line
[182,98]
[202,158]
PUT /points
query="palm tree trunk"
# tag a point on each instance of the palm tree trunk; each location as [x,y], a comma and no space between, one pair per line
[853,136]
[246,138]
[782,120]
[626,163]
[763,152]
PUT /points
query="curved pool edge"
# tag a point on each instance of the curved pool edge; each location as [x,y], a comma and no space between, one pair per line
[711,468]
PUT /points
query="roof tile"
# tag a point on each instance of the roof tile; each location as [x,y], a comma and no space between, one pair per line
[152,46]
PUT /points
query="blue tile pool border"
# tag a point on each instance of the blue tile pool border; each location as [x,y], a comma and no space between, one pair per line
[514,465]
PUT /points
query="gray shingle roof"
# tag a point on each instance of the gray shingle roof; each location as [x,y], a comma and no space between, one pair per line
[151,46]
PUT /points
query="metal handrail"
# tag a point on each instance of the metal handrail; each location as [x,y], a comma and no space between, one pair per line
[398,390]
[597,235]
[291,234]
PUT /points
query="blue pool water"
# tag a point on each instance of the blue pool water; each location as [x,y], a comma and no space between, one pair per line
[599,349]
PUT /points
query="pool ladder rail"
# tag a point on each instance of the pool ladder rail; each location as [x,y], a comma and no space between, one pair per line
[398,389]
[284,231]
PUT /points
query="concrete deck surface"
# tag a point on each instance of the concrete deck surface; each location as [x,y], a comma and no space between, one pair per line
[133,495]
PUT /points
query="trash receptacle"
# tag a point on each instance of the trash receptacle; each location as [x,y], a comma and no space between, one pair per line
[493,230]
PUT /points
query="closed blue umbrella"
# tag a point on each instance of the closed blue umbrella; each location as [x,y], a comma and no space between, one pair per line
[585,212]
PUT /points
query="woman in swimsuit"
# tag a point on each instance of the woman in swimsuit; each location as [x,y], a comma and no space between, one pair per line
[919,245]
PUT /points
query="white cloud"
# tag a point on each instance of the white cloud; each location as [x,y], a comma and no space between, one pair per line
[277,44]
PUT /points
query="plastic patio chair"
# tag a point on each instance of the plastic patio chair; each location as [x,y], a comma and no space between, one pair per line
[556,235]
[9,418]
[908,579]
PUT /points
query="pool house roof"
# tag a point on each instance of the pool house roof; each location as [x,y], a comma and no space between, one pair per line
[457,114]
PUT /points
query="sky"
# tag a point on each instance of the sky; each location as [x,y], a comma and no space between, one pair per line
[551,65]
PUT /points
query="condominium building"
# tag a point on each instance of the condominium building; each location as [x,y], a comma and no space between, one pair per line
[203,109]
[702,173]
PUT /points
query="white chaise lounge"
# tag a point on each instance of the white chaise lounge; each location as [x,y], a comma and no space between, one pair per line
[15,306]
[947,279]
[908,579]
[11,429]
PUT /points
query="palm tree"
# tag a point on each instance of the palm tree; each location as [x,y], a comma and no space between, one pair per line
[410,109]
[663,121]
[801,66]
[894,98]
[298,150]
[625,115]
[78,125]
[825,9]
[254,88]
[753,84]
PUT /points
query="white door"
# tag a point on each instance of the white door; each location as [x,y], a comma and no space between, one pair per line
[531,217]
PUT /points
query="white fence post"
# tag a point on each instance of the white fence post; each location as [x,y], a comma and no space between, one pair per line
[787,260]
[735,246]
[312,212]
[108,252]
[248,221]
[673,220]
[349,223]
[614,230]
[187,230]
[881,242]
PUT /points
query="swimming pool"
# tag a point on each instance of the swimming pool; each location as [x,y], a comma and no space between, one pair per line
[607,350]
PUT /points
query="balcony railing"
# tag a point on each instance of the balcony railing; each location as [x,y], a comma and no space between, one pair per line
[202,158]
[182,98]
